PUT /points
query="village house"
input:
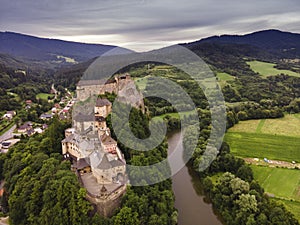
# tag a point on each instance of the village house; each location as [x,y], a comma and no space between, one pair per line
[46,116]
[54,110]
[26,129]
[28,102]
[9,115]
[21,71]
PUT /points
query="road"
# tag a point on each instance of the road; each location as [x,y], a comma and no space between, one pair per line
[8,134]
[272,163]
[4,221]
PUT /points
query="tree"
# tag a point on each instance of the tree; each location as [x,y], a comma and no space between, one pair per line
[239,186]
[126,217]
[245,173]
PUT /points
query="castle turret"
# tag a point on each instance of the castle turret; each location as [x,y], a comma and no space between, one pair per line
[102,107]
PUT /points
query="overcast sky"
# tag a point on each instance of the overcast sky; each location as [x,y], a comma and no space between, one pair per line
[145,24]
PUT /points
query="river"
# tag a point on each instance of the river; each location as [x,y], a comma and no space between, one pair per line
[192,209]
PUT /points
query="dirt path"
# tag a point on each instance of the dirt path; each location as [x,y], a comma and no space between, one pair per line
[272,163]
[4,221]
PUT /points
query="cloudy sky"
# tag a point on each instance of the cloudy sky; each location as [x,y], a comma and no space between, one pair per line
[145,24]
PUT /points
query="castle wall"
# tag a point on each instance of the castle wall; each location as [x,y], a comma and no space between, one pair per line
[110,88]
[86,91]
[121,86]
[107,204]
[71,148]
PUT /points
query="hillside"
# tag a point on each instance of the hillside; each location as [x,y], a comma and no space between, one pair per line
[55,51]
[285,44]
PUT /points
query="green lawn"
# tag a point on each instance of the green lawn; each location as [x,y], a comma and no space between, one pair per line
[283,183]
[267,69]
[260,126]
[224,77]
[141,83]
[277,139]
[253,145]
[289,125]
[44,96]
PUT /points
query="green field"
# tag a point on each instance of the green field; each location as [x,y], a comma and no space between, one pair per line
[267,69]
[141,83]
[277,139]
[283,183]
[253,145]
[289,125]
[224,77]
[44,96]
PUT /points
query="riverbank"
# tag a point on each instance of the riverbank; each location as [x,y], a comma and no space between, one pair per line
[189,201]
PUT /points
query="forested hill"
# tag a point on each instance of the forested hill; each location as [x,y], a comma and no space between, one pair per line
[52,50]
[277,43]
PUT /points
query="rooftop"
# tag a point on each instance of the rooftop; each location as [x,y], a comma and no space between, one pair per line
[104,164]
[82,163]
[108,140]
[80,117]
[102,102]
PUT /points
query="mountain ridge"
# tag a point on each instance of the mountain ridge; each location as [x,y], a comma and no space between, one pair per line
[46,49]
[287,44]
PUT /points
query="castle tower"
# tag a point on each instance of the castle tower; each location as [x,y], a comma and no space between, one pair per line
[102,107]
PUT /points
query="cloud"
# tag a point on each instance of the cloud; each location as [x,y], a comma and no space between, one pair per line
[145,24]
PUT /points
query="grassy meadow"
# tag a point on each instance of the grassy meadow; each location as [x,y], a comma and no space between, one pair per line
[224,77]
[44,96]
[267,69]
[283,183]
[277,139]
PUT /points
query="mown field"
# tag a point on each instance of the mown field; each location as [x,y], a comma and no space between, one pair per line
[224,77]
[267,69]
[255,145]
[283,183]
[44,96]
[277,139]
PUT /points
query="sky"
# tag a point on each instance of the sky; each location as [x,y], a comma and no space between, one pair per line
[146,24]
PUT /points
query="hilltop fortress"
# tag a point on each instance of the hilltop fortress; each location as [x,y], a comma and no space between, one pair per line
[122,85]
[96,159]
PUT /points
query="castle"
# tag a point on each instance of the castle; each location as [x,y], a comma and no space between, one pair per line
[96,158]
[122,85]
